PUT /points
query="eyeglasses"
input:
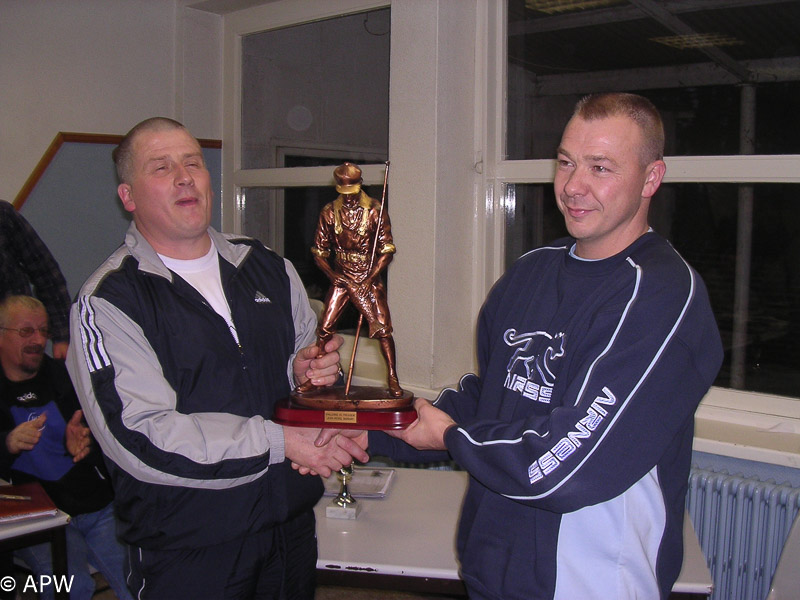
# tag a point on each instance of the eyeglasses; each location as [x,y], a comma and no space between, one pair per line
[26,332]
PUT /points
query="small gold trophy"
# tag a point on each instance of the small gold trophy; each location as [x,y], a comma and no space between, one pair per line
[343,506]
[353,245]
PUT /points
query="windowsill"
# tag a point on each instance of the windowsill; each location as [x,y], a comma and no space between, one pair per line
[746,442]
[727,424]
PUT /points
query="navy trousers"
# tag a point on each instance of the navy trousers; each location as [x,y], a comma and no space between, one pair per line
[275,564]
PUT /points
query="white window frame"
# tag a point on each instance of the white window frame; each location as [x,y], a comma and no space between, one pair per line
[274,15]
[434,205]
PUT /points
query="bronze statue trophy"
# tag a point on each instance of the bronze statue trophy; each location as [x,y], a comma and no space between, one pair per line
[353,245]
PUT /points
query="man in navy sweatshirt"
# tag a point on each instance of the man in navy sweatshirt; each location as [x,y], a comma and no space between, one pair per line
[594,353]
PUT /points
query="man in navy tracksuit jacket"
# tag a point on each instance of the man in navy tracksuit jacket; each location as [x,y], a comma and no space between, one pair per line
[184,339]
[594,353]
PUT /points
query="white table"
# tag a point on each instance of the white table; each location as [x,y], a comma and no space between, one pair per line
[407,540]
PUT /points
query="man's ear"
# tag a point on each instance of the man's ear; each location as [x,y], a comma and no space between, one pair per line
[124,192]
[655,173]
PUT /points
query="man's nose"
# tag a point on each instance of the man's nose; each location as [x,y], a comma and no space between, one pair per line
[183,176]
[575,184]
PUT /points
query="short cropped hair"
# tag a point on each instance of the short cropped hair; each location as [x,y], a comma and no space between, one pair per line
[123,154]
[10,302]
[637,108]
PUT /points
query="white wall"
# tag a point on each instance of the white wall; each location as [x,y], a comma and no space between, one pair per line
[101,66]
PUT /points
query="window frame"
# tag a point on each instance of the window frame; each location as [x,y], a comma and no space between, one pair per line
[267,17]
[235,179]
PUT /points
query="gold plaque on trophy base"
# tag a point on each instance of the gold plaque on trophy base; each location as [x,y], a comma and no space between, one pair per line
[365,407]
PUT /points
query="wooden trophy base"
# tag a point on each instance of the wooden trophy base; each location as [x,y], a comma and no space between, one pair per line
[365,407]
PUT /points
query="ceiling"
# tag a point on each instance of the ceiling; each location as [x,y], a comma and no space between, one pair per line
[640,44]
[654,43]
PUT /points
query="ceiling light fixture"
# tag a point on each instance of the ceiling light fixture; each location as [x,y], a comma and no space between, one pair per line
[697,40]
[558,6]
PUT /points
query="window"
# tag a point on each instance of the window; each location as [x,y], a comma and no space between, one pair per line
[726,77]
[313,95]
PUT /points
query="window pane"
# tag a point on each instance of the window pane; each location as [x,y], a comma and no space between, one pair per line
[317,85]
[559,51]
[285,220]
[532,219]
[711,225]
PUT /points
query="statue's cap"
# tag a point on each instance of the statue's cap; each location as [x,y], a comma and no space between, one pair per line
[348,178]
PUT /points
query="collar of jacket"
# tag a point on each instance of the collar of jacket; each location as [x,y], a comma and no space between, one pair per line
[149,262]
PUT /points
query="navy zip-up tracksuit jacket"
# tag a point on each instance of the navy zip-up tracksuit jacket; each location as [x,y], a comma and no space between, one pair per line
[180,410]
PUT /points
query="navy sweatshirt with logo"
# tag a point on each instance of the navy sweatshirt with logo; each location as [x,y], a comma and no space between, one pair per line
[577,433]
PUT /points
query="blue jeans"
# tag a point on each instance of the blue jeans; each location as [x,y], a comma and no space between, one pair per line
[91,540]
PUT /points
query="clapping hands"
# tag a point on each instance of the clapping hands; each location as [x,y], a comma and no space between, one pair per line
[78,438]
[26,435]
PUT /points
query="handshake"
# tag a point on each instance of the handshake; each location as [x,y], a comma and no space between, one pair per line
[323,451]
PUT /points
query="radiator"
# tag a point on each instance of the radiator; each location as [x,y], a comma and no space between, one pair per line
[742,525]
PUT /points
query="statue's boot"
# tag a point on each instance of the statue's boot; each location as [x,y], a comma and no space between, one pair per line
[387,348]
[394,388]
